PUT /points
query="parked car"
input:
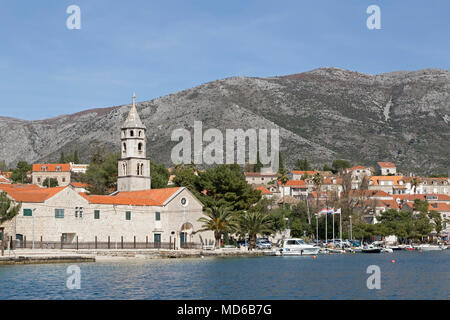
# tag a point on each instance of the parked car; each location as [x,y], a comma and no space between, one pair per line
[263,244]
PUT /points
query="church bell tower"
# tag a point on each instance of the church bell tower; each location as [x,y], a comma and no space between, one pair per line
[134,167]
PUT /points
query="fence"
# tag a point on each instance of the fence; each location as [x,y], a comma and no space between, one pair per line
[78,245]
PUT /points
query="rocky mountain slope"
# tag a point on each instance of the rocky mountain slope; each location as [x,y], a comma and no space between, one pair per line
[322,115]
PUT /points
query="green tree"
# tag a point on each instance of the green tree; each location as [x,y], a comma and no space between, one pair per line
[101,175]
[218,219]
[437,221]
[414,184]
[50,182]
[258,165]
[226,184]
[62,158]
[186,177]
[7,208]
[160,175]
[76,159]
[3,166]
[281,168]
[254,224]
[302,165]
[20,174]
[340,165]
[327,168]
[317,181]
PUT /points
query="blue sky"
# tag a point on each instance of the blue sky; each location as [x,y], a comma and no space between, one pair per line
[155,48]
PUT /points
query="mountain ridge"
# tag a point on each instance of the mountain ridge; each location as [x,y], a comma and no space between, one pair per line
[322,114]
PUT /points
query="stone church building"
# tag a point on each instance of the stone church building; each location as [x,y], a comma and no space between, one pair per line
[135,212]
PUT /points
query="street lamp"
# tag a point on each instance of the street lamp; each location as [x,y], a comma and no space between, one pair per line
[317,228]
[34,210]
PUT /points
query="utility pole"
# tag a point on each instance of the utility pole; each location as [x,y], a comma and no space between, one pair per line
[351,235]
[34,210]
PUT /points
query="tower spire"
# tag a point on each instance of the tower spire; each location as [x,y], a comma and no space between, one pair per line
[133,120]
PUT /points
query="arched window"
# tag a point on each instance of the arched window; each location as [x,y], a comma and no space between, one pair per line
[140,133]
[140,146]
[131,133]
[142,169]
[124,147]
[138,169]
[124,168]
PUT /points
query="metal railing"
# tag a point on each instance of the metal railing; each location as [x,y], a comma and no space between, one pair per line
[109,244]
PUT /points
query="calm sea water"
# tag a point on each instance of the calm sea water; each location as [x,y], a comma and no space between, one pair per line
[413,276]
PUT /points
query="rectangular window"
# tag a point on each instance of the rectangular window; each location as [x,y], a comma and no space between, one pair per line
[157,216]
[128,215]
[27,212]
[96,214]
[59,213]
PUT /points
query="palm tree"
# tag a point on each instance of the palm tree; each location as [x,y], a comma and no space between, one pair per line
[218,219]
[254,223]
[7,212]
[317,181]
[414,184]
[283,177]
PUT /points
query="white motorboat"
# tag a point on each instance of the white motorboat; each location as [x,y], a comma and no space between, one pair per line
[387,250]
[371,249]
[297,247]
[429,247]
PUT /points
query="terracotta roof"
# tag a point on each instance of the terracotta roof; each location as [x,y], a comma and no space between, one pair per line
[296,183]
[386,164]
[391,204]
[263,190]
[439,206]
[358,168]
[51,167]
[155,197]
[33,195]
[79,185]
[395,179]
[370,193]
[4,180]
[304,172]
[412,197]
[331,181]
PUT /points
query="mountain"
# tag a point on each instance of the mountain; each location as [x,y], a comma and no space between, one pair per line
[322,115]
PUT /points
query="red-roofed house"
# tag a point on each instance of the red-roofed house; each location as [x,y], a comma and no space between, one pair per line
[386,168]
[265,193]
[60,172]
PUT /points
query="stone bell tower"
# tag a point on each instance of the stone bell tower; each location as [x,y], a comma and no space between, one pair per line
[134,167]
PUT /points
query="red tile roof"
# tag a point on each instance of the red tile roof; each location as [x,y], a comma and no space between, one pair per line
[412,197]
[296,172]
[386,164]
[79,185]
[263,190]
[296,183]
[439,206]
[52,167]
[155,197]
[35,195]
